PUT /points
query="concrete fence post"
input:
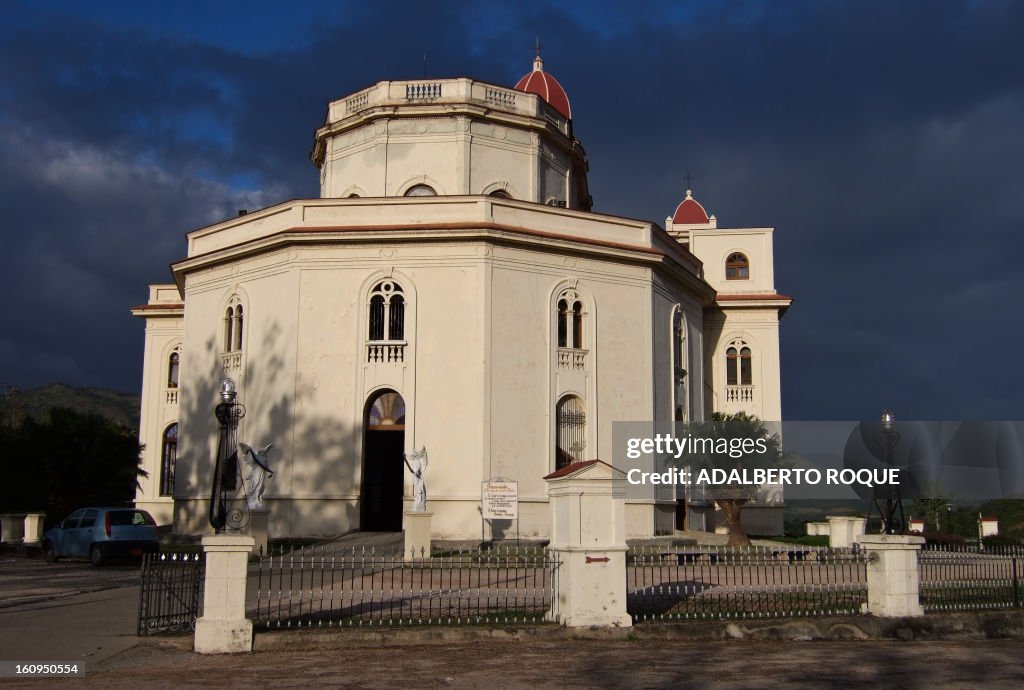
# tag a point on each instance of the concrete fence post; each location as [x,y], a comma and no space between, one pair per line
[893,578]
[223,627]
[588,538]
[11,527]
[34,527]
[844,531]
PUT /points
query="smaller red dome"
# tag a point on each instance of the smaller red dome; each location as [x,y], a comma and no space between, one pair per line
[547,87]
[690,212]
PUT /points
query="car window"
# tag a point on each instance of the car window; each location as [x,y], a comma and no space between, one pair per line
[89,519]
[131,517]
[71,521]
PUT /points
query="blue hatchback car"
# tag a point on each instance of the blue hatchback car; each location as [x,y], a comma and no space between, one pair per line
[100,534]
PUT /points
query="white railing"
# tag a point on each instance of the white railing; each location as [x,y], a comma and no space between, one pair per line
[739,394]
[386,352]
[357,102]
[502,97]
[419,91]
[231,361]
[172,396]
[571,358]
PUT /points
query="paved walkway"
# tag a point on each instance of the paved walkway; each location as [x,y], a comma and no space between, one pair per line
[86,627]
[581,664]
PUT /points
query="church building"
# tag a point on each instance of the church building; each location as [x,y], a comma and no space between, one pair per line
[451,288]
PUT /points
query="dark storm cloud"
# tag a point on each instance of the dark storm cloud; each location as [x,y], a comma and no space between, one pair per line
[881,139]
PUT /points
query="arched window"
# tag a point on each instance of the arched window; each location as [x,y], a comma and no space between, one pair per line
[737,267]
[172,369]
[500,193]
[738,364]
[571,314]
[420,190]
[571,431]
[167,458]
[387,312]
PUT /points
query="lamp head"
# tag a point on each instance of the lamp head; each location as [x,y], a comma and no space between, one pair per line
[888,419]
[228,391]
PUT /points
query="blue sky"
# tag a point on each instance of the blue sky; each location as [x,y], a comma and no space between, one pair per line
[882,140]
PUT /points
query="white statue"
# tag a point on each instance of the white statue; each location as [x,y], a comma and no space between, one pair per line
[259,470]
[416,461]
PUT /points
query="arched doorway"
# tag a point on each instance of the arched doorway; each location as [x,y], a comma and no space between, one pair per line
[383,468]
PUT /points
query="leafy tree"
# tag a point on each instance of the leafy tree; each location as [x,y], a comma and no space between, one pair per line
[932,504]
[67,460]
[751,445]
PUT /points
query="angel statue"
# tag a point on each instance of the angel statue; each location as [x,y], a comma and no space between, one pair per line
[259,470]
[416,461]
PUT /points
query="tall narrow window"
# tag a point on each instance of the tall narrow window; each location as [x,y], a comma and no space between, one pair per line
[570,316]
[570,434]
[680,359]
[167,459]
[737,267]
[387,312]
[577,325]
[731,367]
[563,326]
[229,324]
[746,374]
[396,317]
[239,320]
[376,318]
[172,369]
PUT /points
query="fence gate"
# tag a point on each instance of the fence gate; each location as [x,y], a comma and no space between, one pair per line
[170,594]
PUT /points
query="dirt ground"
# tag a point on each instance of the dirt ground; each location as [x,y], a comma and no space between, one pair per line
[574,663]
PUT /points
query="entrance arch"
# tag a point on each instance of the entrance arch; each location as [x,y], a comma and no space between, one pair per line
[383,468]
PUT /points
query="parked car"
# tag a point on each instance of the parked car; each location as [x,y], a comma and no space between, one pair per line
[100,534]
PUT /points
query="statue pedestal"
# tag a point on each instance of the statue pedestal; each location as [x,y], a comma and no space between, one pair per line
[417,534]
[258,528]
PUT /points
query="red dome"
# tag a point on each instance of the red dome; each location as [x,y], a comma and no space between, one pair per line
[547,87]
[690,212]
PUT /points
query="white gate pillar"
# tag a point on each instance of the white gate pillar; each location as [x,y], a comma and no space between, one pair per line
[588,537]
[223,627]
[893,579]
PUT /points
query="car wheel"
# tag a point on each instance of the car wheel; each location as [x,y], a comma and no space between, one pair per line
[49,552]
[96,555]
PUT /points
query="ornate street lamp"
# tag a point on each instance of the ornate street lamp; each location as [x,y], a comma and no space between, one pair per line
[225,470]
[887,499]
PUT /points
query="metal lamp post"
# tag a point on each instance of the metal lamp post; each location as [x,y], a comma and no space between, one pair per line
[225,471]
[887,499]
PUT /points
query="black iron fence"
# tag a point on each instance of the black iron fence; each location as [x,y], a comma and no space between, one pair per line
[717,582]
[170,594]
[324,587]
[966,578]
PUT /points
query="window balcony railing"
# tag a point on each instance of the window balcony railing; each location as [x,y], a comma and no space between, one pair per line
[386,352]
[739,394]
[571,358]
[171,397]
[231,361]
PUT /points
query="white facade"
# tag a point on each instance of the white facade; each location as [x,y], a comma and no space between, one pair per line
[496,321]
